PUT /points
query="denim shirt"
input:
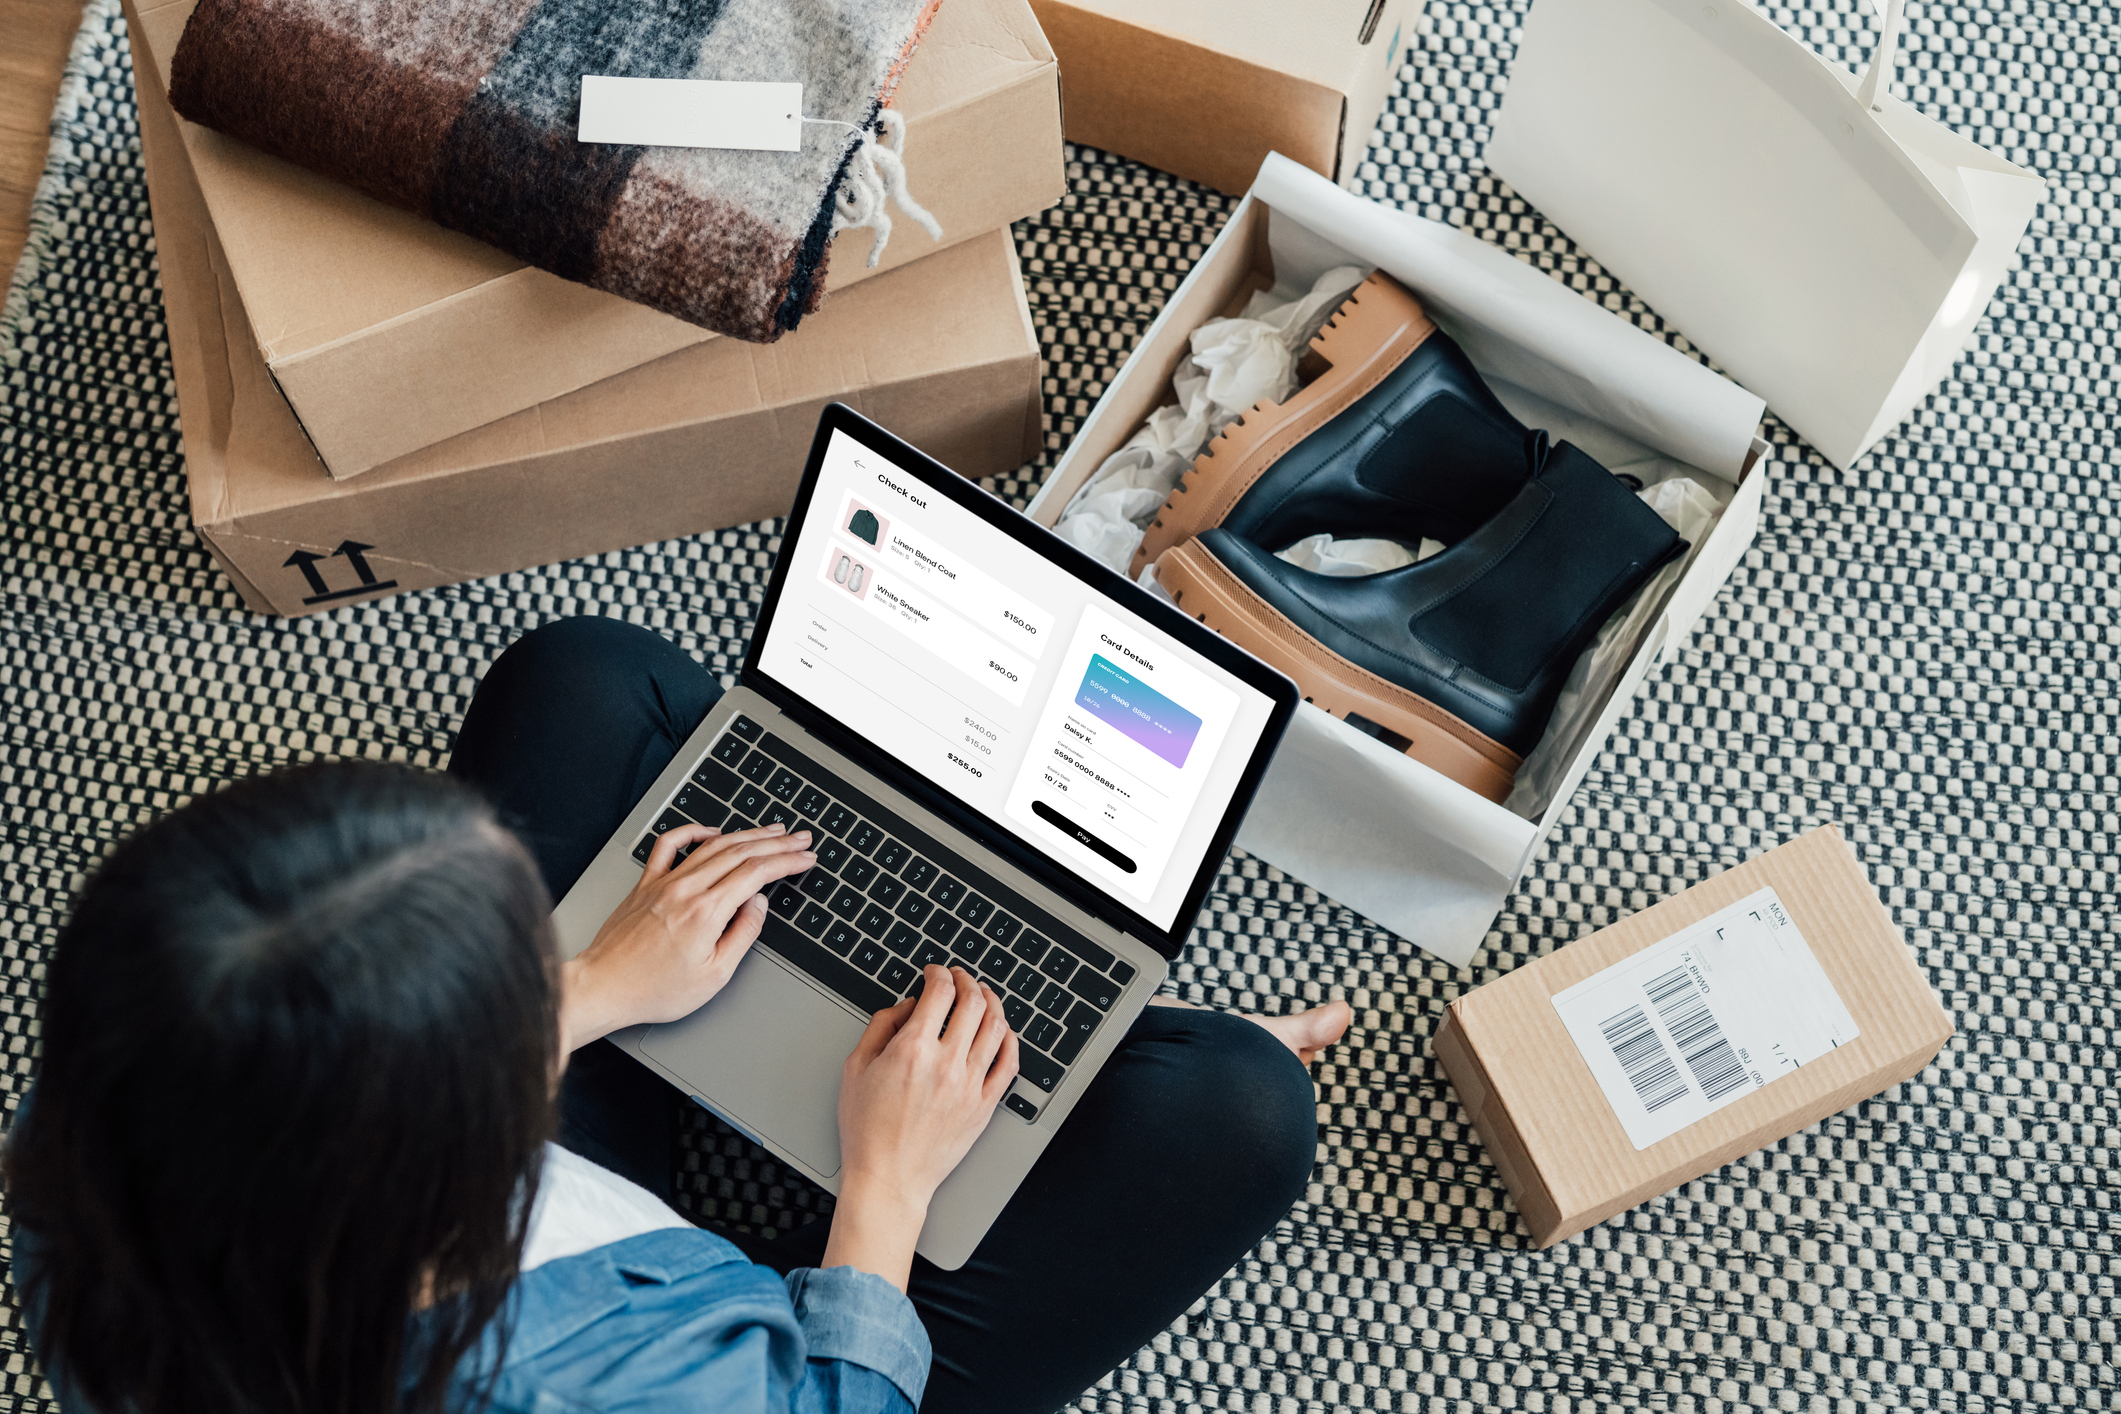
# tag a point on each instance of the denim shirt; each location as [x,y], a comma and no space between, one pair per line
[675,1320]
[681,1320]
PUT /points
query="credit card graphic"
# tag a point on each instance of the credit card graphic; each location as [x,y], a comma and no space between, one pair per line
[1119,699]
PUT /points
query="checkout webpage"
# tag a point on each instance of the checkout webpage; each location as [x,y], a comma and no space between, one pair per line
[1001,677]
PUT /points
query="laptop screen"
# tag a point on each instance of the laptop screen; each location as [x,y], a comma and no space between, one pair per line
[1036,698]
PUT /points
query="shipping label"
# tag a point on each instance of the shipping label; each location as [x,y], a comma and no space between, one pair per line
[1704,1018]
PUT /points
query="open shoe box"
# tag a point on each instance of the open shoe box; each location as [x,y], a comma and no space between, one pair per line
[1207,88]
[715,434]
[388,334]
[1363,823]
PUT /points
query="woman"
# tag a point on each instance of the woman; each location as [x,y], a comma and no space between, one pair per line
[300,1046]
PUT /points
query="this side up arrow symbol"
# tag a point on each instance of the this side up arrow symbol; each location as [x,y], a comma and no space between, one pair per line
[355,554]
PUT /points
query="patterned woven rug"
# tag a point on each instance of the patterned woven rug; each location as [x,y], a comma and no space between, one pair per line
[1922,651]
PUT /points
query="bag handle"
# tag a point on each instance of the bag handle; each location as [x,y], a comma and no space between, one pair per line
[1881,57]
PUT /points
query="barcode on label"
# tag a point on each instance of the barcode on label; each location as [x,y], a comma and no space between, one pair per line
[1641,1053]
[1695,1030]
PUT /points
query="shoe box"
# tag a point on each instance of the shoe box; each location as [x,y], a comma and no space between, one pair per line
[1689,1035]
[713,434]
[355,306]
[1361,821]
[1205,89]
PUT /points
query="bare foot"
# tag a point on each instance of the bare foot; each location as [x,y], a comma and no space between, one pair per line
[1304,1032]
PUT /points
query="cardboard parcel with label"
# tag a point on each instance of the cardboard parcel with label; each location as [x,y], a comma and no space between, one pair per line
[1695,1032]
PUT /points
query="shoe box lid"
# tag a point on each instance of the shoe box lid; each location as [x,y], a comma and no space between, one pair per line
[1363,823]
[1207,88]
[387,334]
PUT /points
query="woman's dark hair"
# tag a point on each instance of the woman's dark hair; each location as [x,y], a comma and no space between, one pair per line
[299,1040]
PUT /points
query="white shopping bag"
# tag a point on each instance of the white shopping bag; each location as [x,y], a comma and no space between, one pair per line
[1824,242]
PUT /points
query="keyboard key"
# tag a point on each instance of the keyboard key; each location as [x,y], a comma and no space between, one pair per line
[1055,1000]
[1015,1012]
[836,975]
[785,898]
[1092,955]
[729,750]
[1098,990]
[1020,1106]
[701,806]
[786,785]
[1122,973]
[947,892]
[831,853]
[778,814]
[875,920]
[865,837]
[902,940]
[744,727]
[869,956]
[1058,965]
[1037,1069]
[920,874]
[735,825]
[718,781]
[897,974]
[1001,927]
[839,819]
[1030,946]
[812,802]
[941,927]
[841,938]
[892,855]
[914,908]
[931,955]
[974,909]
[758,768]
[819,885]
[1043,1032]
[1081,1022]
[752,801]
[814,919]
[669,820]
[640,851]
[886,890]
[858,872]
[1027,983]
[967,947]
[847,903]
[997,965]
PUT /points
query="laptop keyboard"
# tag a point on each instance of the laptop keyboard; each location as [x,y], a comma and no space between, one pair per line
[884,900]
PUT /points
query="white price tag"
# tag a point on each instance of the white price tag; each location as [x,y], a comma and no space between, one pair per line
[1704,1018]
[761,117]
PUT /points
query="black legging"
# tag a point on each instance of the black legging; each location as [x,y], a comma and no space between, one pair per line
[1196,1136]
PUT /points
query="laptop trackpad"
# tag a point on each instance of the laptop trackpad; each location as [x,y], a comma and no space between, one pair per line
[767,1053]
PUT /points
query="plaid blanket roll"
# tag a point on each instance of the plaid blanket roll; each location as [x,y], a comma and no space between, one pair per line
[464,111]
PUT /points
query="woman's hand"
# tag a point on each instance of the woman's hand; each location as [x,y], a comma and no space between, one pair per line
[676,939]
[920,1087]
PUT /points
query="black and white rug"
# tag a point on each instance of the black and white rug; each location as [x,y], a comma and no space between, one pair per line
[1924,650]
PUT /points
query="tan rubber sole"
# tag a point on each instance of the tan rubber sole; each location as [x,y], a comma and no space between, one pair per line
[1372,332]
[1208,591]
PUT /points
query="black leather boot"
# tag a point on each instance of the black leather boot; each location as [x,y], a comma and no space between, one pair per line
[1399,437]
[1457,659]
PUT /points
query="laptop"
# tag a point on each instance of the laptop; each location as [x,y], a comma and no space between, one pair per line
[1011,759]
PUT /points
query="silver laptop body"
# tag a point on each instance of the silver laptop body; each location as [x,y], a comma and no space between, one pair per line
[766,1053]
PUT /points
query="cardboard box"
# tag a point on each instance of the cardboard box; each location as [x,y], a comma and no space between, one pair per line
[1363,823]
[356,307]
[1207,88]
[1560,1143]
[942,351]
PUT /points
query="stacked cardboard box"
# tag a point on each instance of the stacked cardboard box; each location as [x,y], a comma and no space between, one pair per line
[373,404]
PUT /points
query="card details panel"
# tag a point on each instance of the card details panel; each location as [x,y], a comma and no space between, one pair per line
[1701,1019]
